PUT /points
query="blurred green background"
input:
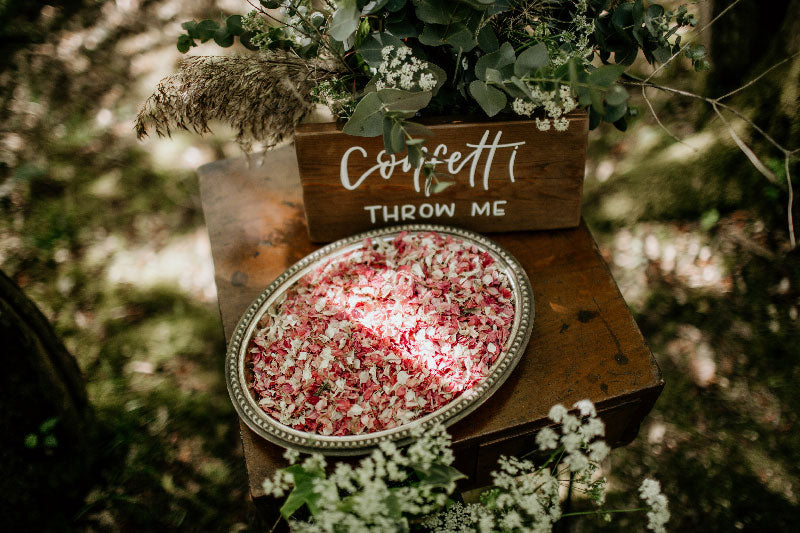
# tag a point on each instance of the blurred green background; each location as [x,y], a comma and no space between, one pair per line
[105,233]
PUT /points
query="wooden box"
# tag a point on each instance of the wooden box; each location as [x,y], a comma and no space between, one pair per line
[508,174]
[585,343]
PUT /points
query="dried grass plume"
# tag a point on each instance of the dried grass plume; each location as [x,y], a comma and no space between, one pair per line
[261,96]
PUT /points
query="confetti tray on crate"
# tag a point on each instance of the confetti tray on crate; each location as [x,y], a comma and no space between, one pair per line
[375,334]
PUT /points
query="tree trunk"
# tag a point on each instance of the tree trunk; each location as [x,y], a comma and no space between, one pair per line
[46,420]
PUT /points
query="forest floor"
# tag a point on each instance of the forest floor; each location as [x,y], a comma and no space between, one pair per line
[106,234]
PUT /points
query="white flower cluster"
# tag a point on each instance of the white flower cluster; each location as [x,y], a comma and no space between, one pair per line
[297,27]
[577,37]
[658,515]
[555,105]
[372,504]
[377,496]
[576,436]
[295,22]
[333,94]
[400,69]
[526,496]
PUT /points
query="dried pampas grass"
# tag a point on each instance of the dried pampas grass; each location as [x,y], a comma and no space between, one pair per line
[262,96]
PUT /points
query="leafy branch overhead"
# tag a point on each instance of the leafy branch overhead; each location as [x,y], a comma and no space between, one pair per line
[390,61]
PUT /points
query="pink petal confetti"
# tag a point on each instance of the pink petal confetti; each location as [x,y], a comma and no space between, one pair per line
[381,335]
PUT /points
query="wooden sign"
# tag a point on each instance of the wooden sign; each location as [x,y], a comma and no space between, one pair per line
[508,174]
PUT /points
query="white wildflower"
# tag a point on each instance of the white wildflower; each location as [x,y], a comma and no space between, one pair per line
[547,439]
[400,69]
[427,82]
[586,408]
[291,455]
[576,461]
[521,107]
[598,451]
[543,124]
[658,515]
[560,124]
[557,413]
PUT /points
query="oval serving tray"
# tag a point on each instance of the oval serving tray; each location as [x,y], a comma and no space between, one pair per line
[261,423]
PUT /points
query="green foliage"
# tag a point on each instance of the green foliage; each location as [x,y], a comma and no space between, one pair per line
[303,492]
[494,56]
[223,34]
[631,28]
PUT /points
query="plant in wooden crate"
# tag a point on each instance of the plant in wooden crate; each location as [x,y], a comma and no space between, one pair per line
[384,67]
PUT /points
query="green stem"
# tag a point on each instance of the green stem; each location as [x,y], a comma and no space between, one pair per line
[603,511]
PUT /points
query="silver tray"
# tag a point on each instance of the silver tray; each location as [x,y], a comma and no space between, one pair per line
[269,428]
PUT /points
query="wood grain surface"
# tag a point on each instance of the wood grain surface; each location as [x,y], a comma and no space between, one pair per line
[585,343]
[534,184]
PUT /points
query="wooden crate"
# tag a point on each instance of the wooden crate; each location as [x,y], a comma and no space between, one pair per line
[509,176]
[585,343]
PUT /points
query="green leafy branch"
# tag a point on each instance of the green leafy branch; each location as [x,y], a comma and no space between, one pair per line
[222,34]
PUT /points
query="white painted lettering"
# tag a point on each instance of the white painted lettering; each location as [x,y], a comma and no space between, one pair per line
[372,209]
[426,210]
[511,159]
[343,168]
[386,164]
[450,209]
[452,160]
[407,212]
[479,210]
[394,215]
[497,210]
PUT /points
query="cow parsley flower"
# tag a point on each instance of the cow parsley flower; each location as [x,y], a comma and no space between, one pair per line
[658,515]
[401,70]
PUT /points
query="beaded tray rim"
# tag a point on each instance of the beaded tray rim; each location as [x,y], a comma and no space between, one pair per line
[270,429]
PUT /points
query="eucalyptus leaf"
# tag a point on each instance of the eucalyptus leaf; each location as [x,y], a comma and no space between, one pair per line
[493,76]
[615,112]
[234,25]
[399,100]
[497,60]
[597,100]
[398,138]
[487,40]
[522,86]
[367,117]
[432,35]
[440,186]
[531,59]
[460,37]
[206,29]
[491,100]
[223,38]
[435,11]
[345,19]
[395,5]
[414,128]
[373,6]
[606,75]
[616,95]
[185,43]
[402,29]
